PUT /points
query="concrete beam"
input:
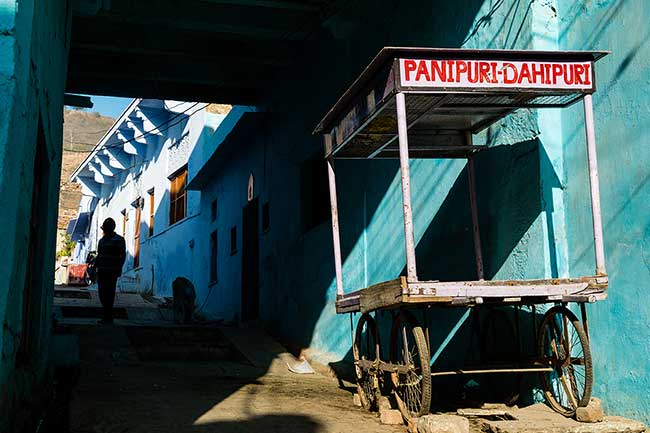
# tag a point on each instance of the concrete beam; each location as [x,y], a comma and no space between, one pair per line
[90,34]
[147,86]
[79,101]
[130,146]
[117,158]
[200,15]
[102,161]
[98,176]
[89,186]
[150,119]
[161,68]
[273,4]
[139,134]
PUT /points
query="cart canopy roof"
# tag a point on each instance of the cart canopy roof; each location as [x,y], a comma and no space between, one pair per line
[449,93]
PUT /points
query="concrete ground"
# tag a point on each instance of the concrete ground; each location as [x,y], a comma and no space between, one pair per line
[539,418]
[144,374]
[118,393]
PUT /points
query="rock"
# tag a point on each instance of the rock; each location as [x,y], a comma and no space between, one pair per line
[443,424]
[390,416]
[356,400]
[593,412]
[384,403]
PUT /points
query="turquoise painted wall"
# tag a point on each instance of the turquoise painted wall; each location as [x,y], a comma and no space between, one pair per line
[297,279]
[33,58]
[620,326]
[534,219]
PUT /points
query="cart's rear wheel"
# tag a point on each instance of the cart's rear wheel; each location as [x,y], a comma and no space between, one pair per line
[564,345]
[409,348]
[366,348]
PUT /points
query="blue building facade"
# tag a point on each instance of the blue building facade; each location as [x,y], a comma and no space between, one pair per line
[137,175]
[533,195]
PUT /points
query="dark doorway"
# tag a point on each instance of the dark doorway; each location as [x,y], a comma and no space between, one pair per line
[250,290]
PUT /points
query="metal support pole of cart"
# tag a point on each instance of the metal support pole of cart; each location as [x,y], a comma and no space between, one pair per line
[335,227]
[409,238]
[594,187]
[478,253]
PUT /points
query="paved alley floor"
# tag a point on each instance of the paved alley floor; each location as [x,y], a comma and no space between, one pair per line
[117,392]
[146,375]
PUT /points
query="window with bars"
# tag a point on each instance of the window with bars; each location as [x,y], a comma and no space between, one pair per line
[178,196]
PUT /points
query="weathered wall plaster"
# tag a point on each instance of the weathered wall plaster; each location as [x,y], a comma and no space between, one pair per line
[33,45]
[619,327]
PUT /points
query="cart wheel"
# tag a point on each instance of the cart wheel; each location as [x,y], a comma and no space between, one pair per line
[408,347]
[366,347]
[563,345]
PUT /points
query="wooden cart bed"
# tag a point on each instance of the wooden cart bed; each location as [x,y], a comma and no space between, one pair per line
[396,293]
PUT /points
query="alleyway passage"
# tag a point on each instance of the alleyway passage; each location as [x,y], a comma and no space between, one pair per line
[119,392]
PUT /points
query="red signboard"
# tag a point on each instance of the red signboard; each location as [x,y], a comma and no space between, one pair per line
[493,74]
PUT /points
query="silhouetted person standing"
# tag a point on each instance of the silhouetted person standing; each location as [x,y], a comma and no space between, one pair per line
[111,253]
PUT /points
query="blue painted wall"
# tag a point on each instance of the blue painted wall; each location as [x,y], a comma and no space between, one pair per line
[33,58]
[620,327]
[297,286]
[534,219]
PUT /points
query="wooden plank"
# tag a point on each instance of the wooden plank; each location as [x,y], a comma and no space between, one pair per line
[390,294]
[348,309]
[383,295]
[592,281]
[480,289]
[586,297]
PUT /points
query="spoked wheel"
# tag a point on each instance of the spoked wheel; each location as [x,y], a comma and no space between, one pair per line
[564,345]
[412,386]
[366,351]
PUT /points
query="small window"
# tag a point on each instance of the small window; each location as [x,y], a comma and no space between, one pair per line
[314,192]
[214,244]
[266,218]
[233,240]
[213,210]
[152,211]
[178,196]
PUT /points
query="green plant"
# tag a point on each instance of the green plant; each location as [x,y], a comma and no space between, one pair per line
[67,247]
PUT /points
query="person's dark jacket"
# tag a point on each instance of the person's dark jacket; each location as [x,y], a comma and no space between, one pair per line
[111,253]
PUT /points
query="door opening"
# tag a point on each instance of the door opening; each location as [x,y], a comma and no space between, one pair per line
[250,291]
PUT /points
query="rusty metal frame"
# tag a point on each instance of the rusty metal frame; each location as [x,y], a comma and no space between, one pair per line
[385,73]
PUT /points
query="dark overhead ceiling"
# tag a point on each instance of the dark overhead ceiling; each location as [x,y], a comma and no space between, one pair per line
[208,50]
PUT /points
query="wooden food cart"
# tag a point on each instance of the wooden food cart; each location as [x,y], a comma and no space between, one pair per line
[414,103]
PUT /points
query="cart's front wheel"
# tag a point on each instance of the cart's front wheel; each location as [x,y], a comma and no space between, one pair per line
[366,354]
[412,384]
[564,346]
